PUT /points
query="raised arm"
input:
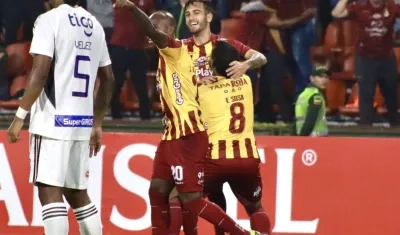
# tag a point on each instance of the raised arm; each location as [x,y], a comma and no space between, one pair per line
[340,11]
[159,38]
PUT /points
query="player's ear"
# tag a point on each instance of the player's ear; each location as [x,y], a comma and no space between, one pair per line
[209,17]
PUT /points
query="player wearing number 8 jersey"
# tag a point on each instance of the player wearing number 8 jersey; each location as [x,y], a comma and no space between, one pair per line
[184,147]
[227,108]
[69,52]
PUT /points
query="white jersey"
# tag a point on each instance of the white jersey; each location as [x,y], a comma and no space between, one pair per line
[76,42]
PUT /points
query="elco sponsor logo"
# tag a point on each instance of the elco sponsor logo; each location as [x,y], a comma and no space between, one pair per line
[124,176]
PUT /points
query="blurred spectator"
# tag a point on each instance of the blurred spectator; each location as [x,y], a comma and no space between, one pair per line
[375,61]
[261,32]
[301,36]
[103,11]
[397,26]
[20,12]
[4,93]
[175,7]
[127,52]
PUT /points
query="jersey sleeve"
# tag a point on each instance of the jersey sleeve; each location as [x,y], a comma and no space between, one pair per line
[173,49]
[243,49]
[104,56]
[43,37]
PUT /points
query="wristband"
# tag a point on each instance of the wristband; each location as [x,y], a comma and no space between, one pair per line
[21,113]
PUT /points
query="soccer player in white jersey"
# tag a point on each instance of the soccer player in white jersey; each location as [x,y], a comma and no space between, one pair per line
[69,52]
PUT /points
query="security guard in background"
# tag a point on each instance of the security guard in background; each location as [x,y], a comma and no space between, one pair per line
[310,105]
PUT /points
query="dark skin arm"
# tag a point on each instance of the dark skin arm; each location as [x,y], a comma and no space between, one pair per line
[104,94]
[315,105]
[159,38]
[37,80]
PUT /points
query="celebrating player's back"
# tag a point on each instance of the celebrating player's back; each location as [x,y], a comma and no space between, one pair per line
[69,51]
[227,109]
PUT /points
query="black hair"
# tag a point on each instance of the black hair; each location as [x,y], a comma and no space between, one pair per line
[71,2]
[222,55]
[208,6]
[171,18]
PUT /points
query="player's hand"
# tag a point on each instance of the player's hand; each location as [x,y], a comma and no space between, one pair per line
[15,129]
[207,80]
[237,69]
[310,12]
[123,4]
[95,141]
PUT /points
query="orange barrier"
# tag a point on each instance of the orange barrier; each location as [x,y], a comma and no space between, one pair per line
[323,186]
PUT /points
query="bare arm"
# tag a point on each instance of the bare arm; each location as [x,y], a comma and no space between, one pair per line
[159,38]
[255,59]
[340,11]
[104,94]
[37,80]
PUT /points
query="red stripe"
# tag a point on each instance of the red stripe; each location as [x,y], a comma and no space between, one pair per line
[167,110]
[179,123]
[236,149]
[193,121]
[249,148]
[221,149]
[210,148]
[187,128]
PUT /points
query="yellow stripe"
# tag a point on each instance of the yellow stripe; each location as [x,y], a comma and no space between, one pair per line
[275,33]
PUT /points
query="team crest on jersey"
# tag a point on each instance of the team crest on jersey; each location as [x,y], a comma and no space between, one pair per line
[201,67]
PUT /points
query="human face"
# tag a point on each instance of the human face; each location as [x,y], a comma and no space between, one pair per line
[320,81]
[197,19]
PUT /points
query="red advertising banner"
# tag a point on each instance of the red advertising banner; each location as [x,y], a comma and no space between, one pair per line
[323,186]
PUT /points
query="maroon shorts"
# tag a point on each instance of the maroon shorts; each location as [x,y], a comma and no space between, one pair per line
[243,176]
[181,161]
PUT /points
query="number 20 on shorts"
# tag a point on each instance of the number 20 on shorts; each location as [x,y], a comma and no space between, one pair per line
[177,173]
[85,77]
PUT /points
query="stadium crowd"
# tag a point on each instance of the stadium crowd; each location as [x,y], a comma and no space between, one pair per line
[292,34]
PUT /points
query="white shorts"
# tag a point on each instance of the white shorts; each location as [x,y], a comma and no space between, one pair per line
[60,163]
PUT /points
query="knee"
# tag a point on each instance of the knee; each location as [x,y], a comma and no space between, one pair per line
[161,186]
[76,198]
[251,208]
[188,197]
[174,195]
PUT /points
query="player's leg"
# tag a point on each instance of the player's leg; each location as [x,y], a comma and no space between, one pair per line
[188,172]
[214,179]
[175,211]
[181,217]
[75,190]
[218,198]
[247,187]
[48,172]
[161,185]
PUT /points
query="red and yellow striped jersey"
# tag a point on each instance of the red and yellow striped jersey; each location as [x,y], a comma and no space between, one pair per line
[228,111]
[181,64]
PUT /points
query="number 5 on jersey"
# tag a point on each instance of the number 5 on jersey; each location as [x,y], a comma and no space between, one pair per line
[83,76]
